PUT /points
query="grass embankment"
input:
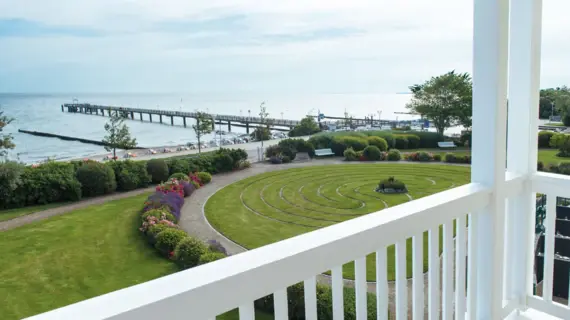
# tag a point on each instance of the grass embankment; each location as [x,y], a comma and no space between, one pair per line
[297,201]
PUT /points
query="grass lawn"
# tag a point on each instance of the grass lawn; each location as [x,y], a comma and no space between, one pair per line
[295,201]
[76,256]
[548,156]
[14,213]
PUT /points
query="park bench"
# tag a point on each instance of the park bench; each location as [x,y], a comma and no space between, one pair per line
[302,156]
[323,152]
[446,144]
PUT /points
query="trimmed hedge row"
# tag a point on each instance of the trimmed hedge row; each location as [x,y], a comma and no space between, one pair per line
[70,181]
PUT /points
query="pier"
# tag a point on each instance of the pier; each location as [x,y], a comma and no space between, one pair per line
[218,119]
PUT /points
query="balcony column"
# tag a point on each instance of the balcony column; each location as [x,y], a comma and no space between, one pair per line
[490,68]
[522,149]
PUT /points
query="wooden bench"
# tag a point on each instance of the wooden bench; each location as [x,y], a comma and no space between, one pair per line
[446,144]
[323,152]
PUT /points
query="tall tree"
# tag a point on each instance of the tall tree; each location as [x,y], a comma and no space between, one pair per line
[263,129]
[306,127]
[446,100]
[5,139]
[118,135]
[202,127]
[555,101]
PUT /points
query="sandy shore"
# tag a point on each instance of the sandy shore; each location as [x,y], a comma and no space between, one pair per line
[143,154]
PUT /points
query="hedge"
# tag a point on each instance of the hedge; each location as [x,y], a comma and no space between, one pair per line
[372,153]
[401,142]
[378,142]
[544,139]
[96,179]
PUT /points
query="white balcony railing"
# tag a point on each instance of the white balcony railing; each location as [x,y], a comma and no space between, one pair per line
[498,240]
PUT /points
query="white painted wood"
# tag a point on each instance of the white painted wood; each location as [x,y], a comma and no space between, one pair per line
[418,276]
[433,274]
[460,242]
[337,291]
[247,312]
[281,305]
[401,282]
[524,87]
[293,260]
[490,68]
[550,183]
[381,284]
[549,226]
[310,286]
[360,288]
[554,309]
[447,272]
[472,266]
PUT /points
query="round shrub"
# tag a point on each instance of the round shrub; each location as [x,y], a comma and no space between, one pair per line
[188,251]
[96,179]
[450,157]
[153,231]
[286,159]
[158,170]
[378,142]
[394,155]
[273,150]
[350,155]
[159,214]
[424,156]
[210,257]
[372,153]
[437,157]
[168,239]
[127,181]
[130,174]
[401,142]
[204,177]
[544,139]
[178,166]
[413,141]
[223,162]
[179,176]
[321,141]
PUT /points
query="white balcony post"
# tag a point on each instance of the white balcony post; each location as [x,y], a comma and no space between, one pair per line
[490,59]
[524,87]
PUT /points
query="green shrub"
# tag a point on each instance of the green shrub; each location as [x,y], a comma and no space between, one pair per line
[178,165]
[188,252]
[378,142]
[289,147]
[153,231]
[96,179]
[130,174]
[428,139]
[564,168]
[391,183]
[424,156]
[158,170]
[168,239]
[296,303]
[210,256]
[450,157]
[437,157]
[544,139]
[386,135]
[394,155]
[285,159]
[223,162]
[401,142]
[179,176]
[413,141]
[321,141]
[372,153]
[10,179]
[47,183]
[159,214]
[350,155]
[273,150]
[540,166]
[204,177]
[553,167]
[340,144]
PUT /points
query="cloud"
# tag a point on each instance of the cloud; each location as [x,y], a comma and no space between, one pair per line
[370,46]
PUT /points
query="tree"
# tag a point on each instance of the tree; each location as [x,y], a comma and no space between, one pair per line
[555,101]
[5,139]
[118,135]
[306,127]
[202,127]
[446,100]
[262,132]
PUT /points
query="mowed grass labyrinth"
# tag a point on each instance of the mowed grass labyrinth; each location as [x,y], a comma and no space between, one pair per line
[273,206]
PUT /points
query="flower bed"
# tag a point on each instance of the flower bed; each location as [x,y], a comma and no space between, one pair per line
[159,218]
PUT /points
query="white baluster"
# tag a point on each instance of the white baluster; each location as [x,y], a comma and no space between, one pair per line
[472,267]
[447,274]
[337,292]
[401,282]
[460,268]
[433,281]
[381,285]
[360,288]
[311,298]
[281,305]
[247,312]
[550,231]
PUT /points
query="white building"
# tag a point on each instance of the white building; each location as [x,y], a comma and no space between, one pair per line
[500,207]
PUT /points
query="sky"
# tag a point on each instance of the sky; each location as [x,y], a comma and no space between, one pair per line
[221,46]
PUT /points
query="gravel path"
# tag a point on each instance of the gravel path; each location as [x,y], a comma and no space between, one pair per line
[194,222]
[41,215]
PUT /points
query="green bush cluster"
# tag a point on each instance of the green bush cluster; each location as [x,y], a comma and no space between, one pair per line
[179,176]
[544,139]
[96,179]
[372,153]
[296,303]
[401,142]
[350,155]
[188,252]
[394,155]
[378,142]
[204,177]
[454,158]
[158,170]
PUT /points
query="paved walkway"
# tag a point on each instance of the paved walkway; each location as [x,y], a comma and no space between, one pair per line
[194,222]
[41,215]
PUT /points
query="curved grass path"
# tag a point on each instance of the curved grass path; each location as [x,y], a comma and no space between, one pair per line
[273,206]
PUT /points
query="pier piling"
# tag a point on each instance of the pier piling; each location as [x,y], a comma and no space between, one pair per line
[184,119]
[171,120]
[160,116]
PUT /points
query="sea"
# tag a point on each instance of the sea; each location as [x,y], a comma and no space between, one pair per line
[42,112]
